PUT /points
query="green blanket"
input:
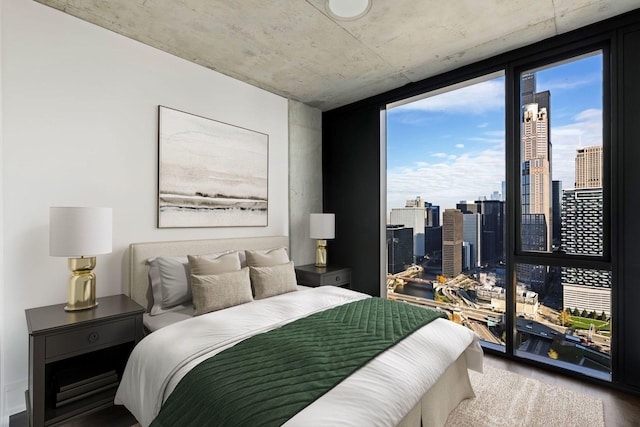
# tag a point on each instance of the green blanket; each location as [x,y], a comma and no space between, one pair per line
[268,378]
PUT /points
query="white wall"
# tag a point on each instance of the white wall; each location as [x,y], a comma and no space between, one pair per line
[79,127]
[2,329]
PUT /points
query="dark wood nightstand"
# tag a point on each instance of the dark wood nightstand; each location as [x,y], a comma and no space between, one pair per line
[310,275]
[76,359]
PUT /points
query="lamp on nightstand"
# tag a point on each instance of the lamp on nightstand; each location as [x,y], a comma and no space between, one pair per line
[80,233]
[322,227]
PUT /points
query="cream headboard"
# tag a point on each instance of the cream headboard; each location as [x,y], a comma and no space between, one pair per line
[139,289]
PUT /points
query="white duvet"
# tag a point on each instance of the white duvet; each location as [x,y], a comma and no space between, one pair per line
[381,393]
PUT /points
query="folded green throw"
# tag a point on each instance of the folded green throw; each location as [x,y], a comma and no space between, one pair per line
[268,378]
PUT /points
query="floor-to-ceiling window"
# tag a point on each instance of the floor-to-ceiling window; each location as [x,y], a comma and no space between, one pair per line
[562,252]
[536,284]
[353,160]
[446,202]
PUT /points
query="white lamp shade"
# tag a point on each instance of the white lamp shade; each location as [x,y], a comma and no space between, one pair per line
[79,231]
[322,226]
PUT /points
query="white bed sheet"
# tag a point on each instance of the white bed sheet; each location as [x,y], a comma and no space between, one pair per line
[380,393]
[158,321]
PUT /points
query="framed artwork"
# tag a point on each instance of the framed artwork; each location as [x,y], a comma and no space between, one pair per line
[210,174]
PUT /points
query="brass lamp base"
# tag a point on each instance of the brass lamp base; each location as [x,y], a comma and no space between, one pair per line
[321,254]
[82,284]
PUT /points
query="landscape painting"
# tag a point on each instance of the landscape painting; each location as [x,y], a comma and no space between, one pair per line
[210,174]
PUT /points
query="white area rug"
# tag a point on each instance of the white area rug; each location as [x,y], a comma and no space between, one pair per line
[506,399]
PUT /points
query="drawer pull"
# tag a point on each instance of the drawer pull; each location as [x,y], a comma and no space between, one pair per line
[94,336]
[337,278]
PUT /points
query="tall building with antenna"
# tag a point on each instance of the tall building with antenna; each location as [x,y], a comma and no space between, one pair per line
[536,162]
[536,180]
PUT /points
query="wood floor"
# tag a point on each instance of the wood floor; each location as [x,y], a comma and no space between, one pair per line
[620,409]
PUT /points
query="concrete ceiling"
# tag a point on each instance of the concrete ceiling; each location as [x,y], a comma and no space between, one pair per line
[295,49]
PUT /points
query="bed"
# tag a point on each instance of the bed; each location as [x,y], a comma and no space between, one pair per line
[417,381]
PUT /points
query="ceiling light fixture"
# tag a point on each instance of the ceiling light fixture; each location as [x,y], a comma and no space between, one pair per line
[348,10]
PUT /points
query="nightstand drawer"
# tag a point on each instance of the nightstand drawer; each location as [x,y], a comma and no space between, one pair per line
[337,278]
[86,339]
[310,275]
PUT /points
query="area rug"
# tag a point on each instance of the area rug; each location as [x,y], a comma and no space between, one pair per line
[506,399]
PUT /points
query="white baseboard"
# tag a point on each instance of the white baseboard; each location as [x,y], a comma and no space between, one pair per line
[13,400]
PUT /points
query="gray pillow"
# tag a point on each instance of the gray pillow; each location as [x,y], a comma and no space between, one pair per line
[269,281]
[203,264]
[169,282]
[267,258]
[217,291]
[170,279]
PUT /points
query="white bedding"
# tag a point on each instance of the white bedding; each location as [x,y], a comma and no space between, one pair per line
[380,393]
[153,323]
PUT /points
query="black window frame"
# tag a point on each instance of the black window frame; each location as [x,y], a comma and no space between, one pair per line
[515,254]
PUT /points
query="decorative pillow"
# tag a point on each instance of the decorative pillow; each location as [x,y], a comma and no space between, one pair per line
[267,258]
[217,291]
[269,281]
[201,265]
[169,283]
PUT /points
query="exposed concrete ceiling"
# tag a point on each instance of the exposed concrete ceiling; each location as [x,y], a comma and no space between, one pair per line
[295,49]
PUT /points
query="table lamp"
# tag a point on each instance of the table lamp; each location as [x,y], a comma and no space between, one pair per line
[80,233]
[322,227]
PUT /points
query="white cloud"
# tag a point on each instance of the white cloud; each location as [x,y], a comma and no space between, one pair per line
[446,182]
[483,125]
[459,145]
[444,156]
[496,133]
[475,99]
[486,140]
[589,114]
[449,179]
[569,83]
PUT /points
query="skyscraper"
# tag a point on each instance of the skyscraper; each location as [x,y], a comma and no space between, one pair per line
[413,218]
[536,156]
[432,240]
[467,207]
[589,167]
[415,203]
[433,214]
[492,231]
[471,231]
[399,248]
[452,242]
[556,204]
[582,233]
[536,187]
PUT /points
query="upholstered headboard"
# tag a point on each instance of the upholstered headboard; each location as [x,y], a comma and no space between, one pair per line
[139,287]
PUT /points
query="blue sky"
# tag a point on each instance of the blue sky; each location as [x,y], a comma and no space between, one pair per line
[450,147]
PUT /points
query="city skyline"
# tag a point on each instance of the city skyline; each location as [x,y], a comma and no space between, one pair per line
[450,147]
